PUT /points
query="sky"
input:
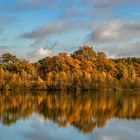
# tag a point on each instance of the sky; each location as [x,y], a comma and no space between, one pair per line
[34,29]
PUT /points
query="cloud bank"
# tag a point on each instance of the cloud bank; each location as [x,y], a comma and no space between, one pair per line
[109,25]
[51,28]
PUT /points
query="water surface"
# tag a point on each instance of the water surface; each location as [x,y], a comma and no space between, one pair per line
[69,116]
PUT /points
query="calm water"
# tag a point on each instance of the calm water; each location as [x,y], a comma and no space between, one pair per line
[69,116]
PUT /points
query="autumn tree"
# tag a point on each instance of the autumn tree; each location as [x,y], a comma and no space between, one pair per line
[86,53]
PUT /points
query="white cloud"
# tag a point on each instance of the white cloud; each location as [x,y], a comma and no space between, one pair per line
[43,52]
[38,54]
[114,31]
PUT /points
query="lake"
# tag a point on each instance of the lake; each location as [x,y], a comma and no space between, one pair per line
[69,116]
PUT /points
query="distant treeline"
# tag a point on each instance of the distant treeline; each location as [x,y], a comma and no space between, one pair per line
[85,69]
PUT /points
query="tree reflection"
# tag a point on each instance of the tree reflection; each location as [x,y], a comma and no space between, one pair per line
[84,111]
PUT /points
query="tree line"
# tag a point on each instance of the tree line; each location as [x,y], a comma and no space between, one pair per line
[85,69]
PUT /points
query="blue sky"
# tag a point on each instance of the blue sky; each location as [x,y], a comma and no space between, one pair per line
[34,29]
